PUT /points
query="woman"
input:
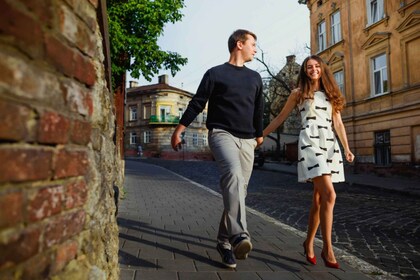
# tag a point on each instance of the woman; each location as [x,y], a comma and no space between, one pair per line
[319,101]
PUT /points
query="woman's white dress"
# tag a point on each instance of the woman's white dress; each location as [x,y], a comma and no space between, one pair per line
[318,150]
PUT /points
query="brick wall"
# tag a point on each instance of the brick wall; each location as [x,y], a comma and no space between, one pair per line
[58,161]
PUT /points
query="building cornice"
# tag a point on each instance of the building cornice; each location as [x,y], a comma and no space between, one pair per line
[157,88]
[405,6]
[411,21]
[375,39]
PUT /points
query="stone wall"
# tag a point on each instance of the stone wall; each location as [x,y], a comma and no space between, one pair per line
[58,160]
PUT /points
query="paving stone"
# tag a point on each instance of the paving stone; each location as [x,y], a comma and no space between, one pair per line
[174,234]
[198,276]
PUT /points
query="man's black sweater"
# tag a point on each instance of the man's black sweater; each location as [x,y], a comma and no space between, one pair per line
[235,97]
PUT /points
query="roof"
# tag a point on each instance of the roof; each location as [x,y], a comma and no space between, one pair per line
[157,87]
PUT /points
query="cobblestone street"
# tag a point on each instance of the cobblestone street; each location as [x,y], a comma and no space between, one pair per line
[378,226]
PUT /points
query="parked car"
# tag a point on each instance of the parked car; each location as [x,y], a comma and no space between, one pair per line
[259,158]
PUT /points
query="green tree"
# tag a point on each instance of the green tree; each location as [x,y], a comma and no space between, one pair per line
[134,28]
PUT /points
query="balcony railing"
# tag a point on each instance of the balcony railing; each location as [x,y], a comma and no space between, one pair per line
[168,119]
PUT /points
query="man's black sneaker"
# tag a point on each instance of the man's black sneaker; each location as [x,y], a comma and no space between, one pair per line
[241,247]
[227,256]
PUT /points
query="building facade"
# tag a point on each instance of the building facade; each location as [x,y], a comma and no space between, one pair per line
[373,49]
[151,115]
[60,168]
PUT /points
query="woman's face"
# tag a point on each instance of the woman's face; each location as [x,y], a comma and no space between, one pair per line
[313,69]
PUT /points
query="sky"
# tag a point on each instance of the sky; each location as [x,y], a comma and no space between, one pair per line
[281,26]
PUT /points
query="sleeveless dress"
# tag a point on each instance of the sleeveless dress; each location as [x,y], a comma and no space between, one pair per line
[318,149]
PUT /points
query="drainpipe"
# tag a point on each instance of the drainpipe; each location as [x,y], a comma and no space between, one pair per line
[351,80]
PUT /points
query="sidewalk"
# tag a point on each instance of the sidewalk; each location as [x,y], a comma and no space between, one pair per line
[168,226]
[398,184]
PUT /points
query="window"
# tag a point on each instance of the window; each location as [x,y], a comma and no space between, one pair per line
[382,148]
[133,113]
[322,36]
[204,139]
[204,116]
[195,139]
[180,112]
[379,75]
[339,78]
[133,138]
[375,10]
[146,137]
[146,112]
[335,28]
[165,111]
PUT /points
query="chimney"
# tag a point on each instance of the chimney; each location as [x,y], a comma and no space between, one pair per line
[163,79]
[133,84]
[291,59]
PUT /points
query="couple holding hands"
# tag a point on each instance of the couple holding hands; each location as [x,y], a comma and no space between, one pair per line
[235,122]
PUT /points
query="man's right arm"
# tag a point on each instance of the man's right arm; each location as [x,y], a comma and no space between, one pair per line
[195,106]
[176,140]
[199,100]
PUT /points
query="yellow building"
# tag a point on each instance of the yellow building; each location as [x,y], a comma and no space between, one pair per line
[373,48]
[152,112]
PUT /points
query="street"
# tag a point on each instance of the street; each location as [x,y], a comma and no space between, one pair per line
[379,227]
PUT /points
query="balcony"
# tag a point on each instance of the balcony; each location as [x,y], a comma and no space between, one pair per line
[168,119]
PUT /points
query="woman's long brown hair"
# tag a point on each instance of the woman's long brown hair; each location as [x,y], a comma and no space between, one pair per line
[327,83]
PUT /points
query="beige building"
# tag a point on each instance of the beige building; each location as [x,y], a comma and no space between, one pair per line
[151,114]
[373,48]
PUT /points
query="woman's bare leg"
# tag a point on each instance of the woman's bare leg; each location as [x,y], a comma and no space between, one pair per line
[313,223]
[325,188]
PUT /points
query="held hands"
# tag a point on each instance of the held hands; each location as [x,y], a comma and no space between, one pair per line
[259,140]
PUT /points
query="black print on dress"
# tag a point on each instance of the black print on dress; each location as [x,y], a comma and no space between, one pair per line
[314,137]
[318,154]
[326,99]
[301,110]
[304,147]
[340,161]
[336,151]
[330,139]
[302,159]
[335,172]
[312,167]
[324,127]
[324,149]
[321,108]
[329,160]
[310,118]
[303,128]
[328,120]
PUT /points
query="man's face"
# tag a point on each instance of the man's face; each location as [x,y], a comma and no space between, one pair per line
[249,48]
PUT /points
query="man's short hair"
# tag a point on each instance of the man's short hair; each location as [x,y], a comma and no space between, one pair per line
[239,35]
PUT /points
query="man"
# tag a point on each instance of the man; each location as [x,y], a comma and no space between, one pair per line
[234,121]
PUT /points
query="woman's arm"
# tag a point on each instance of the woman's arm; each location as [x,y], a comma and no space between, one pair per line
[284,113]
[341,132]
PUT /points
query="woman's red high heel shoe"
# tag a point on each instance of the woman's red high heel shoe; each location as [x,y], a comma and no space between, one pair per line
[309,259]
[329,264]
